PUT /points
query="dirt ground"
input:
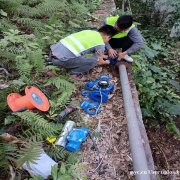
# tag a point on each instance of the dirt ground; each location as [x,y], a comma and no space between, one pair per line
[111,133]
[166,152]
[110,130]
[109,126]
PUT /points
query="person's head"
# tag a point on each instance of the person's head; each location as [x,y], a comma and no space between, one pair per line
[107,32]
[124,22]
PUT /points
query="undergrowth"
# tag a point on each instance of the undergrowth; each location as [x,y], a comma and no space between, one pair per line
[156,65]
[27,28]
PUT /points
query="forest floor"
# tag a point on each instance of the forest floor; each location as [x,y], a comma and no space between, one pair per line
[110,129]
[112,142]
[109,125]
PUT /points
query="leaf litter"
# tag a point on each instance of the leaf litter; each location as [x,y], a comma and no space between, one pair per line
[109,129]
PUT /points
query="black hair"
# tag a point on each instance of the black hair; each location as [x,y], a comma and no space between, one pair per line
[124,22]
[108,30]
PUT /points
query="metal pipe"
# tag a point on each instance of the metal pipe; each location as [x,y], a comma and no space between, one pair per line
[140,164]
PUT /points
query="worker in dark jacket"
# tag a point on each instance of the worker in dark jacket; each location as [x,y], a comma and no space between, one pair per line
[128,38]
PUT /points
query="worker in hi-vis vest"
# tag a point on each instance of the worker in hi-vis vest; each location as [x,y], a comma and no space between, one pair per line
[82,51]
[128,38]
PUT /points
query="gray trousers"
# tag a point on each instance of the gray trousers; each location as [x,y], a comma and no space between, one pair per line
[77,65]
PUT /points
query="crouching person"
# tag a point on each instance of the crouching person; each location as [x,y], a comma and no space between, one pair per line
[73,51]
[128,38]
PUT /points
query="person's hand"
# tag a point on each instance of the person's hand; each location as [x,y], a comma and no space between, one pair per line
[105,56]
[101,61]
[112,53]
[122,55]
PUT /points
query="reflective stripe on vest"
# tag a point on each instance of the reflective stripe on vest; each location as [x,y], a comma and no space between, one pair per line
[81,41]
[112,21]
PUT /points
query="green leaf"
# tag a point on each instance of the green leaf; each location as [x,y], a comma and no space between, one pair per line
[3,13]
[29,153]
[63,169]
[52,20]
[155,69]
[3,43]
[175,84]
[72,159]
[174,109]
[46,37]
[65,177]
[73,24]
[150,53]
[54,172]
[18,82]
[173,128]
[9,120]
[36,178]
[156,46]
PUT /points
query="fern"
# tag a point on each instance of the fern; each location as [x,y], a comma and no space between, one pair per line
[65,87]
[46,21]
[6,56]
[51,7]
[32,3]
[37,61]
[24,67]
[7,152]
[30,134]
[24,53]
[56,152]
[61,83]
[30,23]
[29,153]
[39,124]
[6,24]
[64,98]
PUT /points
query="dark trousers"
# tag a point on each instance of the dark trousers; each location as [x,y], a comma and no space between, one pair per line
[123,43]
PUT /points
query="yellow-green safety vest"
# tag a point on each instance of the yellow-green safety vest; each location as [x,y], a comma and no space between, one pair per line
[81,41]
[112,21]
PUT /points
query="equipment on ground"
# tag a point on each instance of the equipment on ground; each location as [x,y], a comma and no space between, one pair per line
[71,138]
[91,108]
[33,98]
[62,140]
[64,113]
[99,89]
[113,61]
[75,138]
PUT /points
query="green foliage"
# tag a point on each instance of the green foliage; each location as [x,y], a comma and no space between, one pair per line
[60,173]
[29,153]
[57,153]
[64,89]
[23,52]
[157,85]
[93,4]
[69,170]
[66,171]
[38,123]
[34,15]
[27,28]
[7,152]
[152,13]
[155,68]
